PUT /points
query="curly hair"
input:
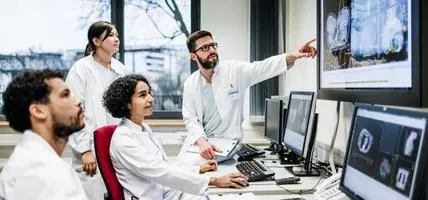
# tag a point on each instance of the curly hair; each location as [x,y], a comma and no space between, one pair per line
[191,40]
[119,94]
[27,88]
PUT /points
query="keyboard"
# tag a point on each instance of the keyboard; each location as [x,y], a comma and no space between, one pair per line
[254,170]
[247,152]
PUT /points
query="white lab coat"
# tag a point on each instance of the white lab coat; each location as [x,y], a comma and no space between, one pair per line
[87,86]
[35,171]
[143,170]
[230,81]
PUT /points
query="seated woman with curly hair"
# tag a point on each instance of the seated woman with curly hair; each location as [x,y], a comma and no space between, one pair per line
[139,160]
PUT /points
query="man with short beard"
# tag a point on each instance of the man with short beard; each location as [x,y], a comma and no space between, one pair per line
[38,104]
[213,96]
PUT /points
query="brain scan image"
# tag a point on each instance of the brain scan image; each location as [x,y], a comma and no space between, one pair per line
[343,22]
[361,33]
[392,33]
[331,30]
[377,29]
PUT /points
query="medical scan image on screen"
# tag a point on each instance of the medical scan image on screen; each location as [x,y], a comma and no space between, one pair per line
[363,41]
[298,118]
[383,154]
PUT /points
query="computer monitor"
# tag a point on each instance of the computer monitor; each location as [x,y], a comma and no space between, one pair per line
[386,154]
[372,51]
[298,135]
[274,123]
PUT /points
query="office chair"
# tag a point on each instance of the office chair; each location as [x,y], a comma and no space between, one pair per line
[102,139]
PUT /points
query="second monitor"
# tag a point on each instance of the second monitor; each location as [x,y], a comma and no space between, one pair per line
[299,134]
[273,124]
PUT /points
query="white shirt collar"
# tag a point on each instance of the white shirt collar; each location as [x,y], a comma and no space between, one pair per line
[29,135]
[144,127]
[114,67]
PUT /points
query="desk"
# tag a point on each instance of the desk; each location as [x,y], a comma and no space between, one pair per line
[265,187]
[273,197]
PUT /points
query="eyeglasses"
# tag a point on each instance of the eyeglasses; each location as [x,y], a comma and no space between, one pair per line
[205,48]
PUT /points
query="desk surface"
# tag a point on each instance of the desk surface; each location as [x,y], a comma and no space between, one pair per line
[263,188]
[270,197]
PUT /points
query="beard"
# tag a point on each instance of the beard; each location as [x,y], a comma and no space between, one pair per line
[62,130]
[207,64]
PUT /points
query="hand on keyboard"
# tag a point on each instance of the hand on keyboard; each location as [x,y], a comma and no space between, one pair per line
[234,180]
[254,170]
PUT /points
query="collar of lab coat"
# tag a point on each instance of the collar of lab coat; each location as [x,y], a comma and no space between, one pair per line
[35,138]
[143,127]
[114,67]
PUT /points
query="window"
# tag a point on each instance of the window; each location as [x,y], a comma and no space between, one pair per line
[44,34]
[155,46]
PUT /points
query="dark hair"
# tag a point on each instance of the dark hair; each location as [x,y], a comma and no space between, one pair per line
[27,88]
[195,36]
[95,31]
[119,94]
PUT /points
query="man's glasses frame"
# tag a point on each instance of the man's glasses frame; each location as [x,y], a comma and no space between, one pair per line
[207,47]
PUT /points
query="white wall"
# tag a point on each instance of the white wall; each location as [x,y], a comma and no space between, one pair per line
[228,21]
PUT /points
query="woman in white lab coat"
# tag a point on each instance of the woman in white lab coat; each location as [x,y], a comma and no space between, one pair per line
[88,78]
[138,157]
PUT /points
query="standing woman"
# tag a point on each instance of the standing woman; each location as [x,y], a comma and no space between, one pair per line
[88,78]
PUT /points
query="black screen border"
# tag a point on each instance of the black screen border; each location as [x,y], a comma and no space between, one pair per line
[281,120]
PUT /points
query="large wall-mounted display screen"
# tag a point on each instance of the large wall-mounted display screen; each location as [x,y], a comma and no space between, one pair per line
[373,51]
[365,44]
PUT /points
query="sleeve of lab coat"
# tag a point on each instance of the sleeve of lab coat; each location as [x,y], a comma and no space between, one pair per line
[79,141]
[143,163]
[190,168]
[193,125]
[255,72]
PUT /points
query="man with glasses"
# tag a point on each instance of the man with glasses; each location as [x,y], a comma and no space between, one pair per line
[213,96]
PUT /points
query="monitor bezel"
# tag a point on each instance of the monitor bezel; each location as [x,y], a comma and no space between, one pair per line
[308,125]
[422,159]
[280,120]
[414,96]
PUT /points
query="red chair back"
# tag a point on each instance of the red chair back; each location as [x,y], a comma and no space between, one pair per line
[102,139]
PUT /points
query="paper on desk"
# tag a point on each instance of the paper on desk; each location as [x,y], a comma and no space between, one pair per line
[226,145]
[234,196]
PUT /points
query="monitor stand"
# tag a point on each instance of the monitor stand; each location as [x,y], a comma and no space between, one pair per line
[287,158]
[298,171]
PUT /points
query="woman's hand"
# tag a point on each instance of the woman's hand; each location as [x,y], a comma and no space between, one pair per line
[211,165]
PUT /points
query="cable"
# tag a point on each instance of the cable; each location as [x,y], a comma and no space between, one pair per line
[322,167]
[302,191]
[333,140]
